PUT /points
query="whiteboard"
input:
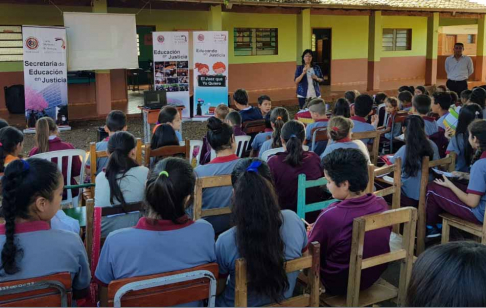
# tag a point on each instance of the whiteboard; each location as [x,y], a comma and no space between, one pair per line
[101,41]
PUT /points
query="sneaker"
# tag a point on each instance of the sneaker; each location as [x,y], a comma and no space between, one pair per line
[432,232]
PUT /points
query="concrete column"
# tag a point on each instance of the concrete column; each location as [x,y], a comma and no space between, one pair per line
[432,49]
[480,69]
[303,33]
[100,6]
[215,22]
[374,51]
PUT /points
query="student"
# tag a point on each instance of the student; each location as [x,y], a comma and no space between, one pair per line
[260,138]
[11,145]
[391,108]
[350,96]
[341,108]
[465,96]
[347,174]
[170,115]
[449,275]
[164,135]
[421,90]
[3,123]
[265,106]
[454,99]
[165,239]
[405,100]
[421,107]
[340,133]
[416,147]
[221,111]
[478,96]
[363,108]
[441,102]
[287,166]
[263,235]
[233,119]
[278,118]
[221,138]
[380,105]
[32,194]
[121,183]
[116,121]
[441,89]
[410,89]
[247,112]
[317,108]
[459,143]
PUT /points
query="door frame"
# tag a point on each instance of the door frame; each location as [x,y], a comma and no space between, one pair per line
[330,51]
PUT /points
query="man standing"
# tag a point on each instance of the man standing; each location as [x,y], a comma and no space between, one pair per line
[458,68]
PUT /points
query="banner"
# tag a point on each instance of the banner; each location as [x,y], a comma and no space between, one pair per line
[171,67]
[45,74]
[210,71]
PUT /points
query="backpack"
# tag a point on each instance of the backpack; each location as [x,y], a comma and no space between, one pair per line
[15,99]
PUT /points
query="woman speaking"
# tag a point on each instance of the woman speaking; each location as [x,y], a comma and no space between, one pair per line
[307,74]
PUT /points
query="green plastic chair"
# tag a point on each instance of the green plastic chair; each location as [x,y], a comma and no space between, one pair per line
[303,184]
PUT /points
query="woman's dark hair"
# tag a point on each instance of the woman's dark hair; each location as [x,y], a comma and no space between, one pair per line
[119,163]
[380,98]
[350,165]
[454,98]
[478,96]
[341,108]
[417,145]
[410,89]
[293,133]
[10,137]
[170,183]
[467,115]
[3,123]
[423,90]
[219,135]
[449,275]
[308,51]
[164,135]
[257,218]
[167,114]
[279,116]
[22,183]
[478,129]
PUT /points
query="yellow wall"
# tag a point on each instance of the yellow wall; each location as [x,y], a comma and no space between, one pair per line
[419,34]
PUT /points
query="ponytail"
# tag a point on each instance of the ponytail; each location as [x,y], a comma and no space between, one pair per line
[43,129]
[293,134]
[10,137]
[279,116]
[339,128]
[478,129]
[418,145]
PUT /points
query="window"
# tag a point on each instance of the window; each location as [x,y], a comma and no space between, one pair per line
[255,41]
[471,38]
[397,39]
[11,43]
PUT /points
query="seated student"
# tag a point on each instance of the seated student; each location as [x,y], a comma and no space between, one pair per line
[340,133]
[410,89]
[122,182]
[380,105]
[465,96]
[416,147]
[221,111]
[445,196]
[347,174]
[222,140]
[303,115]
[478,96]
[441,89]
[421,90]
[317,108]
[350,96]
[287,166]
[265,106]
[341,108]
[454,99]
[247,112]
[391,108]
[273,237]
[170,115]
[278,118]
[164,135]
[260,138]
[449,275]
[363,108]
[3,123]
[459,143]
[405,100]
[441,102]
[32,194]
[116,121]
[421,107]
[165,239]
[233,119]
[11,145]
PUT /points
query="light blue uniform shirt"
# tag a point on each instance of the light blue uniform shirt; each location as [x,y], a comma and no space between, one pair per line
[179,135]
[431,126]
[260,139]
[360,126]
[267,145]
[477,186]
[456,145]
[100,162]
[353,144]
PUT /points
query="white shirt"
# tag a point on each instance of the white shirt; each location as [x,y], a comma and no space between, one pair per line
[311,92]
[459,70]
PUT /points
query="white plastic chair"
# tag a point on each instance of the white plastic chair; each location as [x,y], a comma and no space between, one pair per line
[242,145]
[69,154]
[193,145]
[269,153]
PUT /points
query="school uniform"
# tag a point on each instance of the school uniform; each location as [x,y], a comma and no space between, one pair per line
[333,229]
[100,162]
[441,199]
[155,247]
[237,131]
[179,135]
[47,252]
[396,130]
[261,138]
[347,143]
[267,145]
[217,197]
[61,221]
[411,185]
[456,145]
[406,107]
[321,145]
[361,125]
[294,237]
[440,121]
[250,114]
[132,186]
[431,126]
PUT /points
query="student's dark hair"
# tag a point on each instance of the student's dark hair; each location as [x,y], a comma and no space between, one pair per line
[449,275]
[308,51]
[10,137]
[422,103]
[417,145]
[467,115]
[444,99]
[363,105]
[219,135]
[442,87]
[257,217]
[478,96]
[279,116]
[422,89]
[410,89]
[234,117]
[263,98]
[241,97]
[293,133]
[43,129]
[347,165]
[466,94]
[3,123]
[169,184]
[478,129]
[351,95]
[459,44]
[119,163]
[405,96]
[454,97]
[164,135]
[22,183]
[380,98]
[116,120]
[341,108]
[482,87]
[392,101]
[339,128]
[167,114]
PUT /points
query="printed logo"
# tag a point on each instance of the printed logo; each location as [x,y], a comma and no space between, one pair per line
[160,39]
[63,44]
[220,38]
[200,37]
[32,43]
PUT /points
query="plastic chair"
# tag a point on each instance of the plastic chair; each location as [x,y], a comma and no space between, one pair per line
[193,145]
[269,153]
[242,145]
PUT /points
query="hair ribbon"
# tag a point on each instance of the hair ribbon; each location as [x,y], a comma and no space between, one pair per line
[253,167]
[293,135]
[335,128]
[164,173]
[26,165]
[279,118]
